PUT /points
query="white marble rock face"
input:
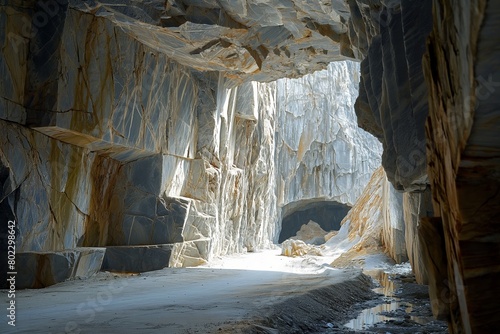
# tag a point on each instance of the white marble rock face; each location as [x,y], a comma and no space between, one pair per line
[116,141]
[320,151]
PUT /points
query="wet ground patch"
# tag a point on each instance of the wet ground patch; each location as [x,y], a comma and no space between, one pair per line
[403,306]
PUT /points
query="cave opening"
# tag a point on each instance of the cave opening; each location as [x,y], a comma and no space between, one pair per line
[328,214]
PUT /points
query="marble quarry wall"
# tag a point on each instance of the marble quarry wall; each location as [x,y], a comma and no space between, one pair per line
[109,142]
[462,70]
[119,145]
[96,95]
[321,153]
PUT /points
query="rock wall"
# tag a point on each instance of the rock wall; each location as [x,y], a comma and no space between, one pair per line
[373,225]
[321,154]
[109,142]
[247,40]
[462,70]
[392,105]
[124,127]
[429,81]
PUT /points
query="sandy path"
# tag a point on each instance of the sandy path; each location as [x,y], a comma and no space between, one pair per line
[192,300]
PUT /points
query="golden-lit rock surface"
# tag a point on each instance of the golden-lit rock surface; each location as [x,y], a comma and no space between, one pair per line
[374,224]
[461,69]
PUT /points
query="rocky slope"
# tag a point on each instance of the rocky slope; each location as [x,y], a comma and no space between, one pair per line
[374,225]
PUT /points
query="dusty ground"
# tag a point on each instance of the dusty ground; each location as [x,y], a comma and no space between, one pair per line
[400,306]
[252,293]
[192,300]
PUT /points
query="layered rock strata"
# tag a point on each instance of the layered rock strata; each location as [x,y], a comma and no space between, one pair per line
[462,71]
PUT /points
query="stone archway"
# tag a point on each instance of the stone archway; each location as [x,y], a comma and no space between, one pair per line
[328,214]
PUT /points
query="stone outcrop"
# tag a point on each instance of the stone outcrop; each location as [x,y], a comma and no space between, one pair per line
[311,233]
[374,224]
[246,40]
[461,69]
[293,248]
[41,269]
[390,38]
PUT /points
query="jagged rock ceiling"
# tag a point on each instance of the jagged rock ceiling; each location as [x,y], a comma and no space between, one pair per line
[248,40]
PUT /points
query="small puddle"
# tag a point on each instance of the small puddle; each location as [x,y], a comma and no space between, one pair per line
[377,314]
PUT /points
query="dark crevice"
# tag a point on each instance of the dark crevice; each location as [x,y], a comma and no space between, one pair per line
[328,214]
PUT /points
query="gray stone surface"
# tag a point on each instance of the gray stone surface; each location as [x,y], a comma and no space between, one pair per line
[392,103]
[136,259]
[415,207]
[125,125]
[129,147]
[41,269]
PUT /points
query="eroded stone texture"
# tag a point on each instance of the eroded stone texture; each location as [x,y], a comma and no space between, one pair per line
[321,154]
[374,224]
[392,105]
[247,40]
[461,68]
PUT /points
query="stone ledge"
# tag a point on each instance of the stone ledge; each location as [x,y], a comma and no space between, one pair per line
[41,269]
[136,259]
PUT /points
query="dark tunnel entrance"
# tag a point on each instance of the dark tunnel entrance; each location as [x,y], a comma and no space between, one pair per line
[328,214]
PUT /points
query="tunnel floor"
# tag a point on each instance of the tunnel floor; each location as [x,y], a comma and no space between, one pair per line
[250,293]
